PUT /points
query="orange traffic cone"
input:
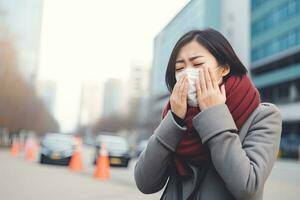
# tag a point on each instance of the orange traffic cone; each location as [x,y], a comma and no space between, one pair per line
[76,160]
[102,165]
[30,148]
[14,148]
[30,154]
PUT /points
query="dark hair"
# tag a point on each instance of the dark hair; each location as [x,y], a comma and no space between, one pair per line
[216,44]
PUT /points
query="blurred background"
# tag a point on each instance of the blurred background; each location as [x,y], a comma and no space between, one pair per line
[82,83]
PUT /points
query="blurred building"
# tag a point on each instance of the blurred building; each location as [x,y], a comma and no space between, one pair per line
[138,79]
[47,91]
[20,21]
[275,58]
[137,103]
[112,97]
[137,87]
[227,16]
[90,104]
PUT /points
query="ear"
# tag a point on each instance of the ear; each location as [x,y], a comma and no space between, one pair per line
[225,70]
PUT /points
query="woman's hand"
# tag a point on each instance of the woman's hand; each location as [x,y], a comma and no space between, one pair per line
[208,91]
[178,99]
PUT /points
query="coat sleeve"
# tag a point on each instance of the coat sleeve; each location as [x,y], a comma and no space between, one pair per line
[245,167]
[150,171]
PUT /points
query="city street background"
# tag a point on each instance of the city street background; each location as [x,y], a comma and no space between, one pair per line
[86,78]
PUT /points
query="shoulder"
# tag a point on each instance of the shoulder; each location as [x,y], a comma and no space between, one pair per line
[266,115]
[267,109]
[269,106]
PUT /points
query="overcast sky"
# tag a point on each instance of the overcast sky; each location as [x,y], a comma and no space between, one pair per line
[96,40]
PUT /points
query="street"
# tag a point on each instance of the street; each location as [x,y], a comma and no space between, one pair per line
[25,180]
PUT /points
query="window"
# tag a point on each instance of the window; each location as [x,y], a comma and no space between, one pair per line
[275,17]
[285,41]
[281,93]
[291,40]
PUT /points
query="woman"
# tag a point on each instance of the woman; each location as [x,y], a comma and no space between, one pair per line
[216,139]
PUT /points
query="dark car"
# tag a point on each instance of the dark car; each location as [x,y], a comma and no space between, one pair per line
[289,145]
[117,147]
[57,149]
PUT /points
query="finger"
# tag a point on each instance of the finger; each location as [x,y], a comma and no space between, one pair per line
[198,88]
[207,78]
[177,91]
[202,80]
[213,78]
[183,92]
[181,88]
[177,85]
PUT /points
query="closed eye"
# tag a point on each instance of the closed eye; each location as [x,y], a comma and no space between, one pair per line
[179,69]
[199,64]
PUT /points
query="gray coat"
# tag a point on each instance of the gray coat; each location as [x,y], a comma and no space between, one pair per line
[240,163]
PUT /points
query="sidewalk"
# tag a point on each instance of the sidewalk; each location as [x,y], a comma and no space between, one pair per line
[284,181]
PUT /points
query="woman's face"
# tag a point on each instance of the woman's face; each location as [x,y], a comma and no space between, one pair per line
[195,55]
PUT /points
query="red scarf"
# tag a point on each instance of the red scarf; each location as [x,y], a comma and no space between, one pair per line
[242,98]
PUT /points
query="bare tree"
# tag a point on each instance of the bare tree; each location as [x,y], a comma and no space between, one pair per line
[20,107]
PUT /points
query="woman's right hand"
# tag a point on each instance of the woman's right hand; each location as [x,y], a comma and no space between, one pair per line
[178,99]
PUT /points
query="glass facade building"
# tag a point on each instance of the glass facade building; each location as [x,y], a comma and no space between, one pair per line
[275,60]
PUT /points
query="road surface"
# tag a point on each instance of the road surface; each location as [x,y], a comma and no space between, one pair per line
[21,179]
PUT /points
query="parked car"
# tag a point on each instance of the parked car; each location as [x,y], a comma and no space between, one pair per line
[57,149]
[140,147]
[117,148]
[289,145]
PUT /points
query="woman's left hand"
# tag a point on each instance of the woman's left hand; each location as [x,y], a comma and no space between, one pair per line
[208,91]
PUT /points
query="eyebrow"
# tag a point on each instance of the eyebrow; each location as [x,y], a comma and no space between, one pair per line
[191,59]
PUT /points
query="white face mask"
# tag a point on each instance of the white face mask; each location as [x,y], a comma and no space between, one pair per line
[192,75]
